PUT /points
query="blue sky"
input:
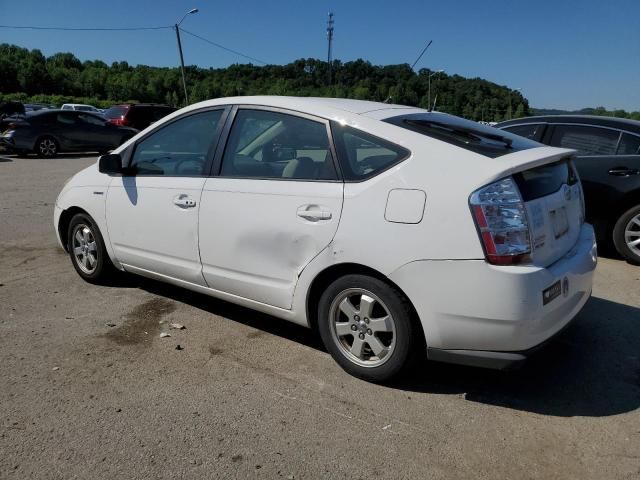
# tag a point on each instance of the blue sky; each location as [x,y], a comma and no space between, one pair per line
[562,53]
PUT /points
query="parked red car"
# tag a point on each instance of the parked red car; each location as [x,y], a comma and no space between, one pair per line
[137,115]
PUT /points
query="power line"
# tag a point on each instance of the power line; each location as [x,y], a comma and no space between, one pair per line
[421,54]
[223,47]
[120,29]
[82,29]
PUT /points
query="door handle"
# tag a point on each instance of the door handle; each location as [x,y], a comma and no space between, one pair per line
[184,201]
[313,214]
[623,171]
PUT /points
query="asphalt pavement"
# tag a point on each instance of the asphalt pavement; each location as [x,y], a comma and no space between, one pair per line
[88,389]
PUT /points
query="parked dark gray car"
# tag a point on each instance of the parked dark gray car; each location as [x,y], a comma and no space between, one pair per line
[48,132]
[608,163]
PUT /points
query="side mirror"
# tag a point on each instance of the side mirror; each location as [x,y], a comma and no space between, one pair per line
[110,164]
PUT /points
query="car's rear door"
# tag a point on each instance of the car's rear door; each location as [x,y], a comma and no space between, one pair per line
[152,212]
[66,127]
[273,204]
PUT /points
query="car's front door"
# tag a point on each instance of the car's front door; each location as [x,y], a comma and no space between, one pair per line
[152,214]
[274,206]
[97,132]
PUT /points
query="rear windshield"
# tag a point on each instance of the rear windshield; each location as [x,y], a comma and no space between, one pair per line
[545,180]
[462,133]
[116,112]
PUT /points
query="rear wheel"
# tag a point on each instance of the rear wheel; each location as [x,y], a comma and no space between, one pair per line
[368,326]
[626,235]
[87,251]
[47,147]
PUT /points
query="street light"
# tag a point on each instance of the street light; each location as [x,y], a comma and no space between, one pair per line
[431,75]
[177,27]
[510,108]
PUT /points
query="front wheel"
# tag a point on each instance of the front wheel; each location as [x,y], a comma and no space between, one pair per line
[626,235]
[368,327]
[87,251]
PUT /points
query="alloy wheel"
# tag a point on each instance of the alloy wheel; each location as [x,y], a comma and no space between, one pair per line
[362,327]
[47,147]
[85,251]
[632,235]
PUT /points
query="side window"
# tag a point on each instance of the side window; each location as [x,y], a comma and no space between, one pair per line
[266,144]
[587,140]
[532,131]
[66,118]
[363,155]
[178,149]
[629,145]
[91,119]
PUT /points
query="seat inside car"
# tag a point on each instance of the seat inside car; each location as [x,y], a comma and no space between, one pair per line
[299,168]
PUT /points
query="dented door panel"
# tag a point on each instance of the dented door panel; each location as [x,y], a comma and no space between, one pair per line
[257,235]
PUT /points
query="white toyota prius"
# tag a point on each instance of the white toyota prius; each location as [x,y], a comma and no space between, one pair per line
[389,230]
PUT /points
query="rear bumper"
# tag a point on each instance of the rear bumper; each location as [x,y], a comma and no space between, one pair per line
[489,359]
[486,315]
[6,144]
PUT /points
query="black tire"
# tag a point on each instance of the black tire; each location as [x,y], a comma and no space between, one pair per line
[628,221]
[47,147]
[408,335]
[100,271]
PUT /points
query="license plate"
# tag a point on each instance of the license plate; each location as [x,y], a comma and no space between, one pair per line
[560,221]
[551,293]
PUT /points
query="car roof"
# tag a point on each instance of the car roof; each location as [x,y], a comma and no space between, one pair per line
[595,120]
[52,111]
[128,105]
[339,109]
[327,107]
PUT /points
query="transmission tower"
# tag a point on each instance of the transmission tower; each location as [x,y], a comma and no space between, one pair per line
[330,42]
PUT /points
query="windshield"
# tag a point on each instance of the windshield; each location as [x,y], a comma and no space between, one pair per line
[478,138]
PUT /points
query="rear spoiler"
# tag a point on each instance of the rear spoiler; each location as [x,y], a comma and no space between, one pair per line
[527,159]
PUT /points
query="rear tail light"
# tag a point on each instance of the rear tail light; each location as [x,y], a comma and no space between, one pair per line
[118,120]
[499,213]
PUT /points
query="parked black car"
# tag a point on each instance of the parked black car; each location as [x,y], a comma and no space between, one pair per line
[608,163]
[137,115]
[48,132]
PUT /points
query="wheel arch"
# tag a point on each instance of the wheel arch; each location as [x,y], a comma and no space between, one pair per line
[629,200]
[65,220]
[325,277]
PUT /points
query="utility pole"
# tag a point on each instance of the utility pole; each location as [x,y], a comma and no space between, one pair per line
[330,42]
[177,27]
[184,80]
